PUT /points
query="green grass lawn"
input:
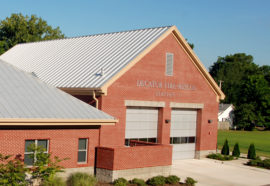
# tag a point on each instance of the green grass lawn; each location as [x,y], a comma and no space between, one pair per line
[261,140]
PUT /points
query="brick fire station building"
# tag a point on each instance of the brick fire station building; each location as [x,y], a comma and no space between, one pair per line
[150,80]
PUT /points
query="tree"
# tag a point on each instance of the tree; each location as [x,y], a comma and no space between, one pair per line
[253,108]
[12,171]
[236,150]
[225,149]
[247,87]
[190,44]
[232,69]
[21,29]
[251,152]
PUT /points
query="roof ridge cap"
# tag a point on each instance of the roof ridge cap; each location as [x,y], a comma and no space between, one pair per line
[91,35]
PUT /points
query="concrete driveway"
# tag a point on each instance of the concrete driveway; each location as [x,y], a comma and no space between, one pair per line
[210,172]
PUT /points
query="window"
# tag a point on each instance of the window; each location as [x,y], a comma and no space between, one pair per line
[150,140]
[30,155]
[82,151]
[169,64]
[182,140]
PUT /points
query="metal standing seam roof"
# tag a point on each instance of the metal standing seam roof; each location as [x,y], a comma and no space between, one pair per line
[23,96]
[78,62]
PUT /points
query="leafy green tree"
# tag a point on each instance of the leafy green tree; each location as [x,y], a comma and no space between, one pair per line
[12,171]
[253,108]
[21,29]
[225,149]
[231,70]
[44,168]
[251,152]
[236,150]
[247,87]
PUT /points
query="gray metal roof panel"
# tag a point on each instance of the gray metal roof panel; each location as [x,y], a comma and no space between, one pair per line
[23,96]
[77,62]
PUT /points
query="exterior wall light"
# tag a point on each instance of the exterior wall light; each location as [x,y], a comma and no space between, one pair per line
[167,121]
[210,121]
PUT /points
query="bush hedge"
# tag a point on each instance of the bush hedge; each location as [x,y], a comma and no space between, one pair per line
[220,157]
[172,179]
[190,181]
[138,182]
[81,179]
[56,181]
[120,182]
[157,180]
[259,163]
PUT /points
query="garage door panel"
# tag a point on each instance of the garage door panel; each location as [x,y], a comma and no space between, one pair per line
[183,133]
[184,147]
[183,124]
[184,155]
[141,134]
[141,125]
[141,122]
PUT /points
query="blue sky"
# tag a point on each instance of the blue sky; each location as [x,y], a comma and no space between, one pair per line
[216,27]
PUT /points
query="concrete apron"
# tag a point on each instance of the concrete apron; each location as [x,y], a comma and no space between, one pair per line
[210,172]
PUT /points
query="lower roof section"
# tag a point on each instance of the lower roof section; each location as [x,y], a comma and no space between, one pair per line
[26,99]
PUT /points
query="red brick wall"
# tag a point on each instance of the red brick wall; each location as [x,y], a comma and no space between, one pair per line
[62,143]
[152,67]
[120,158]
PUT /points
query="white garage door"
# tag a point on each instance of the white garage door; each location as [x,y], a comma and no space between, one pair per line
[183,133]
[141,124]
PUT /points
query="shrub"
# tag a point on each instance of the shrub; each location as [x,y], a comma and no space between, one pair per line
[44,167]
[12,171]
[236,150]
[190,181]
[81,179]
[157,180]
[251,152]
[220,157]
[259,163]
[120,182]
[266,163]
[172,179]
[225,149]
[56,181]
[138,182]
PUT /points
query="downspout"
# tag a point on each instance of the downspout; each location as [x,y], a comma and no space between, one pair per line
[94,97]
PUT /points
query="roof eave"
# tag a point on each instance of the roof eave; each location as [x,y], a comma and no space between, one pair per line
[82,91]
[56,122]
[198,63]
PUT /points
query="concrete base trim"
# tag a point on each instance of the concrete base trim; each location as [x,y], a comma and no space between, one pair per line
[68,171]
[105,175]
[203,153]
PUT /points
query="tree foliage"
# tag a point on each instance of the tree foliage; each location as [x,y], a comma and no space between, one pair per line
[12,171]
[231,69]
[21,29]
[236,150]
[225,149]
[246,86]
[251,152]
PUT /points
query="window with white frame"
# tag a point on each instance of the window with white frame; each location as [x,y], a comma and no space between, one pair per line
[82,150]
[169,64]
[29,154]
